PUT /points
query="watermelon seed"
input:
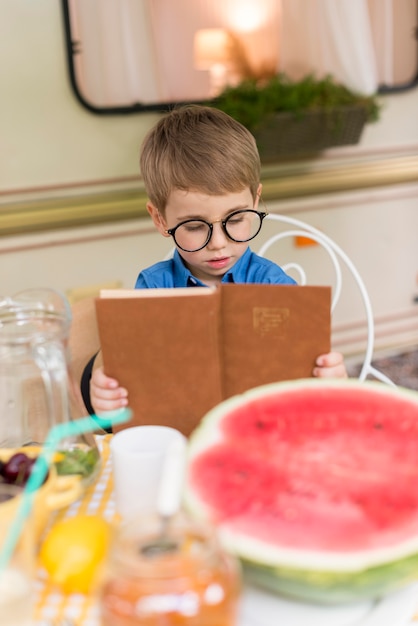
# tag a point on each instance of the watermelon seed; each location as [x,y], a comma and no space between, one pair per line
[378,426]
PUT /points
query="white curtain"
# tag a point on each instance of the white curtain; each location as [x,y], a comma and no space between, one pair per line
[392,25]
[142,50]
[117,65]
[362,43]
[329,37]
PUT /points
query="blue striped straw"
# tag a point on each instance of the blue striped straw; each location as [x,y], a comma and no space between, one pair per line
[40,469]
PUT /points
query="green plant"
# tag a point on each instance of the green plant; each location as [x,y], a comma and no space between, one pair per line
[252,101]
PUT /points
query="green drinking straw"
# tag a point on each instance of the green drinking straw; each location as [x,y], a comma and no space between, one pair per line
[40,469]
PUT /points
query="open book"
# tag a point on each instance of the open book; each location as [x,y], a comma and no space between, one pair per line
[179,352]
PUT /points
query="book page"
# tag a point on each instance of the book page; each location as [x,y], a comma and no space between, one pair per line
[157,292]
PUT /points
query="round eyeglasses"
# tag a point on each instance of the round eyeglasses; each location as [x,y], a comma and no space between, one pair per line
[239,226]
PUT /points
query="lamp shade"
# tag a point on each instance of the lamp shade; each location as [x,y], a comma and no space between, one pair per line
[212,46]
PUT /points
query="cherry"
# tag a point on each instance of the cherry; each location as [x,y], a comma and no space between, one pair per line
[17,468]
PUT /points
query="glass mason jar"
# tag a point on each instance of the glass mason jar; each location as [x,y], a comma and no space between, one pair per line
[36,386]
[179,578]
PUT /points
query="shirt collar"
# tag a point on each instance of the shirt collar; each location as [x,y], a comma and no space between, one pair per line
[182,275]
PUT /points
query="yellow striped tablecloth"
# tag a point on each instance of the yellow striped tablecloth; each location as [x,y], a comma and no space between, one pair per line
[98,499]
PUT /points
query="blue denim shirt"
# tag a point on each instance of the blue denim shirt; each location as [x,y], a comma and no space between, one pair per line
[250,268]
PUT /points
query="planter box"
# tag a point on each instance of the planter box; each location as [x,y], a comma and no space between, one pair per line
[289,134]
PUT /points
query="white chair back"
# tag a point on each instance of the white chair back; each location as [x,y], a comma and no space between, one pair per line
[338,259]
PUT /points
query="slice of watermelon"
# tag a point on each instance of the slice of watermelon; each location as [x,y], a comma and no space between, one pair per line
[314,485]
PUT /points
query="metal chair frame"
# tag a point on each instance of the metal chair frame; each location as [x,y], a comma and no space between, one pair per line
[337,256]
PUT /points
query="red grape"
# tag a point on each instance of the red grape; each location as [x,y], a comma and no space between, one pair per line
[17,469]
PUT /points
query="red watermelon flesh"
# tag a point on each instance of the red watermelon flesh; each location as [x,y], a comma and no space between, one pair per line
[317,468]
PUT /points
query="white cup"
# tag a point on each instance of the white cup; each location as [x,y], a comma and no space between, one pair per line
[137,456]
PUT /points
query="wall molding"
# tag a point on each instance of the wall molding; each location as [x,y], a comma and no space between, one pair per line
[282,182]
[391,333]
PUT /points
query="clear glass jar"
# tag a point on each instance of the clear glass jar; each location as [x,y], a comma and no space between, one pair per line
[182,578]
[36,387]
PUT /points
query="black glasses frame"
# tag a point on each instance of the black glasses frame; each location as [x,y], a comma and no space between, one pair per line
[261,215]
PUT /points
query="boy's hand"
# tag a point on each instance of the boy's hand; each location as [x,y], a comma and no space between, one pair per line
[105,393]
[330,365]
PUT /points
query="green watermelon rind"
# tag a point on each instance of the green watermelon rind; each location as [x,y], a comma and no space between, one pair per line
[331,587]
[307,575]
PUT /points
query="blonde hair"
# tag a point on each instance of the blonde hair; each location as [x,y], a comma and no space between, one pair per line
[198,148]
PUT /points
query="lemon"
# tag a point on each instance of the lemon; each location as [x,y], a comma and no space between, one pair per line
[74,550]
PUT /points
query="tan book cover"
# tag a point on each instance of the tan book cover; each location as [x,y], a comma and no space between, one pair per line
[179,352]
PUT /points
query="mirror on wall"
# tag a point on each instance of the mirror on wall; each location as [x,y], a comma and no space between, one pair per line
[139,55]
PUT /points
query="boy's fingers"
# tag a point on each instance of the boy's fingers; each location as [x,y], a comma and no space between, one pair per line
[330,372]
[332,359]
[108,394]
[100,380]
[106,405]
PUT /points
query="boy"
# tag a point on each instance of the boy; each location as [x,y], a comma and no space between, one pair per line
[201,170]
